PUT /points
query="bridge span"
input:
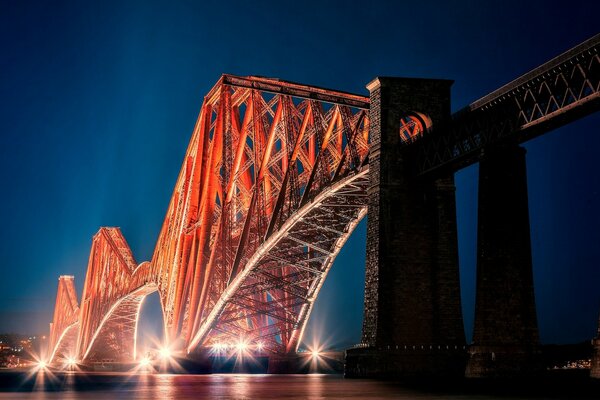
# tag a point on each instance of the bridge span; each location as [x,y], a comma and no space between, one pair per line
[276,177]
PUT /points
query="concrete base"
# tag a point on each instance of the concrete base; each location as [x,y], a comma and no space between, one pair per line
[409,363]
[503,362]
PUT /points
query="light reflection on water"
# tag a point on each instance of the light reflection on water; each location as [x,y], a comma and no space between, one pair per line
[115,386]
[119,386]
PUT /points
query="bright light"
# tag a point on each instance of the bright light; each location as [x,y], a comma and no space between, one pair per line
[315,353]
[241,346]
[165,353]
[144,362]
[218,347]
[71,361]
[259,346]
[42,364]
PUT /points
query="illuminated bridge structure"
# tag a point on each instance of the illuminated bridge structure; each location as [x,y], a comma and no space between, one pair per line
[276,177]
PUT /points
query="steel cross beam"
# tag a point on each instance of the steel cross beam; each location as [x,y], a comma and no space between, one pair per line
[559,91]
[279,86]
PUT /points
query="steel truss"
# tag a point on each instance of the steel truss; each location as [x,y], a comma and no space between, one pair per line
[64,326]
[273,183]
[114,289]
[262,152]
[559,91]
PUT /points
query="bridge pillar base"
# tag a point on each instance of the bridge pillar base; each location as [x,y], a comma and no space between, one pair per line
[595,371]
[197,362]
[502,362]
[284,364]
[405,364]
[412,285]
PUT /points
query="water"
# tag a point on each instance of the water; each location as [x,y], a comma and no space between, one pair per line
[117,386]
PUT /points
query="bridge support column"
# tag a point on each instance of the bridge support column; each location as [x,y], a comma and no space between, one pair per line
[505,336]
[412,319]
[595,371]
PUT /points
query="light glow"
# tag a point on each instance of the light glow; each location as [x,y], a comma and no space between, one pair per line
[71,361]
[259,346]
[144,362]
[241,346]
[42,364]
[165,353]
[218,347]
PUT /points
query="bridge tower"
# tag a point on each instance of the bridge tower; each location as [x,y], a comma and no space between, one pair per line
[505,335]
[412,317]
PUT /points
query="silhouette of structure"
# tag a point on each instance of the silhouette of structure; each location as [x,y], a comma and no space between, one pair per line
[595,370]
[276,177]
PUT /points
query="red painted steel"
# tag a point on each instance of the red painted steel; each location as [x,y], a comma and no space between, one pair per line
[113,291]
[243,250]
[65,324]
[273,182]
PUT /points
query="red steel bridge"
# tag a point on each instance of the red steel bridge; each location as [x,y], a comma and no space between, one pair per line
[274,181]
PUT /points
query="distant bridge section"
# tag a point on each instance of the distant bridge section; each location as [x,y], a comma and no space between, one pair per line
[64,327]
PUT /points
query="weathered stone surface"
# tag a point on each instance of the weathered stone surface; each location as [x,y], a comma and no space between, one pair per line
[412,291]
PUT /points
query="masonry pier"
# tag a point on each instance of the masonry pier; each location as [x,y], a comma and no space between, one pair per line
[505,335]
[412,320]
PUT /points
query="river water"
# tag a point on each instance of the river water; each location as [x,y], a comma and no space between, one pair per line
[119,386]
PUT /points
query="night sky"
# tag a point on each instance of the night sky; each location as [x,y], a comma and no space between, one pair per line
[98,102]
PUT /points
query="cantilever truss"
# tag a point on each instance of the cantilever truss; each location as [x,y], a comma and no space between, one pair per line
[273,183]
[274,180]
[64,326]
[114,289]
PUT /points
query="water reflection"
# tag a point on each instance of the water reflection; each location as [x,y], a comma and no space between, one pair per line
[115,386]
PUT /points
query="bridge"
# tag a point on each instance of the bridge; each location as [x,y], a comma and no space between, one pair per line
[276,177]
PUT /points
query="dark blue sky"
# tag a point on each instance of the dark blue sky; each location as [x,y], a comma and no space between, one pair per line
[98,102]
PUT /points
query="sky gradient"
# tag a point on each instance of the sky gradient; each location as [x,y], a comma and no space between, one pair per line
[99,99]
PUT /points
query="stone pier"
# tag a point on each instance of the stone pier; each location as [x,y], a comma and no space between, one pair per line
[505,335]
[412,317]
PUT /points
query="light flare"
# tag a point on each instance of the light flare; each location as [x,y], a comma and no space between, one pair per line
[165,353]
[145,362]
[241,346]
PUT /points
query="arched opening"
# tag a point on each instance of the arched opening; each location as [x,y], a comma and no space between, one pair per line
[150,332]
[336,319]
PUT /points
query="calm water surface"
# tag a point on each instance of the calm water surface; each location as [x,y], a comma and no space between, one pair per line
[117,386]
